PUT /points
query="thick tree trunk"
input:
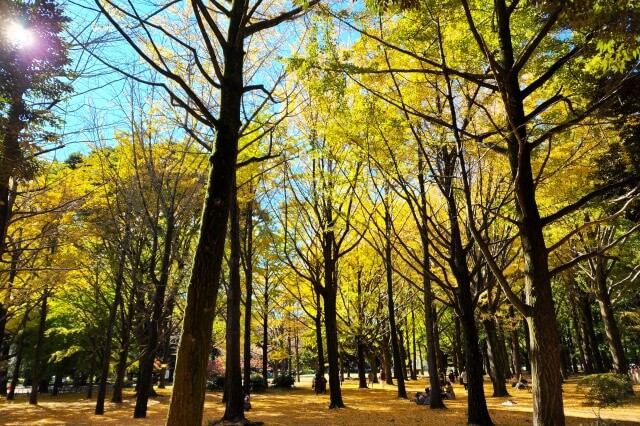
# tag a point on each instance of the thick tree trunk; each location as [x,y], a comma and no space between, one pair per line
[234,409]
[187,398]
[35,373]
[495,358]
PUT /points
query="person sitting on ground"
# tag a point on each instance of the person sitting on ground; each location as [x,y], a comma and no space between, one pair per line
[522,384]
[449,393]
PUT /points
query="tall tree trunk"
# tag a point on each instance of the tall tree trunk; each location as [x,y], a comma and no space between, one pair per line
[611,326]
[393,332]
[35,373]
[248,276]
[123,355]
[265,331]
[362,374]
[589,333]
[540,311]
[515,345]
[414,371]
[187,398]
[407,352]
[147,362]
[435,401]
[386,360]
[495,358]
[16,368]
[478,414]
[234,410]
[403,354]
[318,328]
[458,347]
[113,309]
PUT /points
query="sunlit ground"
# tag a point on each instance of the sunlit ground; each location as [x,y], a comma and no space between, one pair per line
[300,406]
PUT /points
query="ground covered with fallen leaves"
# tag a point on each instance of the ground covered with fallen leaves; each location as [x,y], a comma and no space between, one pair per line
[300,406]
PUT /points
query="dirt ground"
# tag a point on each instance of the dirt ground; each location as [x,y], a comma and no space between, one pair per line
[300,406]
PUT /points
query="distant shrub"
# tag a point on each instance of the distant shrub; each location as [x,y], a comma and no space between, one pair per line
[257,384]
[606,390]
[215,383]
[283,382]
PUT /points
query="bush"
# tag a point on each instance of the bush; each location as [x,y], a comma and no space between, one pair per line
[606,390]
[215,383]
[257,384]
[283,382]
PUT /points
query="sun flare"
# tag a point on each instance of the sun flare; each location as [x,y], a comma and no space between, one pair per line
[20,36]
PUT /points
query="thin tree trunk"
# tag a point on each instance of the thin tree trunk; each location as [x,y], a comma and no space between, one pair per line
[35,374]
[113,308]
[515,346]
[16,369]
[318,328]
[397,358]
[248,276]
[234,409]
[265,331]
[414,372]
[121,369]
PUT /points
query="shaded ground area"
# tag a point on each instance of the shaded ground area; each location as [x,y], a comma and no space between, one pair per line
[300,406]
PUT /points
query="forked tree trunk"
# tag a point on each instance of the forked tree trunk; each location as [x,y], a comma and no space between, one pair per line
[147,362]
[187,398]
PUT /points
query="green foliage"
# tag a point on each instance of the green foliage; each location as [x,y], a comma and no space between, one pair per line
[285,382]
[257,384]
[606,390]
[215,383]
